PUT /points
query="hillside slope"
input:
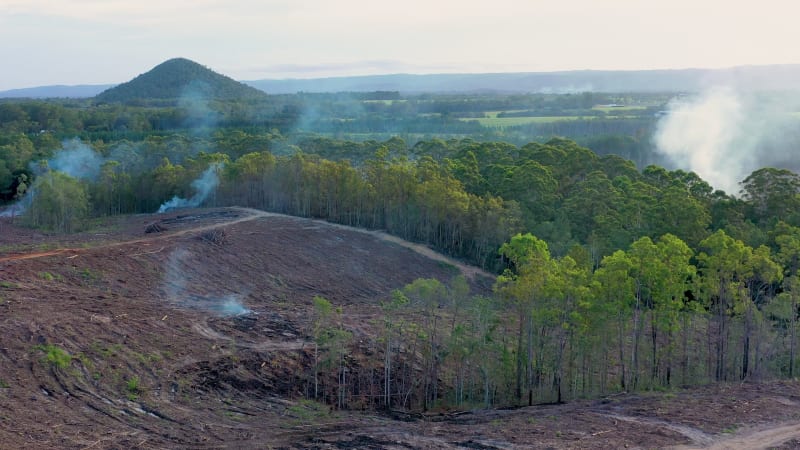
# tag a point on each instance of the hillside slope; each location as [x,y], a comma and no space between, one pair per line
[153,354]
[198,335]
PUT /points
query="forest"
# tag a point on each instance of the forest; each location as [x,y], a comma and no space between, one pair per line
[612,274]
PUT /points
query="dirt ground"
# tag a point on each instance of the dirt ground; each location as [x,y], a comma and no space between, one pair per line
[152,361]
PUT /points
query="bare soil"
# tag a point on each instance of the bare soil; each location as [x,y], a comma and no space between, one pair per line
[154,364]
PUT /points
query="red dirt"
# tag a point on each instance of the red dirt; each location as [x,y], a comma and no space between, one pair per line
[154,366]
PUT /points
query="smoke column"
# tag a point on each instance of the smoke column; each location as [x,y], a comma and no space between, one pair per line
[77,160]
[700,135]
[203,187]
[724,135]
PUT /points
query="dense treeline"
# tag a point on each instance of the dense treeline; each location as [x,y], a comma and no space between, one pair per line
[419,200]
[655,315]
[438,192]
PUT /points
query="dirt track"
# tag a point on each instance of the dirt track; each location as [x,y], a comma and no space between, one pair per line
[114,301]
[755,439]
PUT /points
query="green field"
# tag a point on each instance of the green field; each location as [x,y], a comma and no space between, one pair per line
[386,102]
[611,109]
[500,122]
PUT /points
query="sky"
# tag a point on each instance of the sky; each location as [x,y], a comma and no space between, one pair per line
[71,42]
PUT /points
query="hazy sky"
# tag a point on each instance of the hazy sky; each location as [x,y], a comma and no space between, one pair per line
[110,41]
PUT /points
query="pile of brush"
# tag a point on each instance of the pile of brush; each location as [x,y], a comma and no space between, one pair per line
[154,227]
[216,236]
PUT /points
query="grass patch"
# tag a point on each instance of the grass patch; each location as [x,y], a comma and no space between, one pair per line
[49,276]
[148,358]
[87,363]
[132,386]
[492,121]
[308,410]
[233,415]
[4,385]
[90,275]
[106,351]
[502,122]
[55,356]
[611,109]
[730,430]
[7,285]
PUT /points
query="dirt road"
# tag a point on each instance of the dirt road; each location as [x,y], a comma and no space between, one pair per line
[754,439]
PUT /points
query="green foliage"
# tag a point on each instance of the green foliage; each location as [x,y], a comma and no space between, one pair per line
[133,388]
[60,203]
[49,276]
[55,355]
[308,411]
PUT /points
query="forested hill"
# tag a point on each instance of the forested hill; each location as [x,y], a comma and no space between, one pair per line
[177,78]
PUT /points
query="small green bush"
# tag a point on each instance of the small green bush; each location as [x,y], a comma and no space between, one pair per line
[47,276]
[55,355]
[133,388]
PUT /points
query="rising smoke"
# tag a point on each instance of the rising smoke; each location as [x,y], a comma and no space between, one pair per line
[724,135]
[203,186]
[180,288]
[77,160]
[200,119]
[74,158]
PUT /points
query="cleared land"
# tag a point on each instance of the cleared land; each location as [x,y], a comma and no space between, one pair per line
[113,339]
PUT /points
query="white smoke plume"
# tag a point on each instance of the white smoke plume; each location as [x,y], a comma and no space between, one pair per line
[203,186]
[77,160]
[201,119]
[723,135]
[74,158]
[179,282]
[232,306]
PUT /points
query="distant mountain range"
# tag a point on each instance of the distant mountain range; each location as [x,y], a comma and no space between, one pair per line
[57,91]
[774,77]
[171,76]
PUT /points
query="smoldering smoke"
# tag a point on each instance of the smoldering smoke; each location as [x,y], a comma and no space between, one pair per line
[203,186]
[724,135]
[180,289]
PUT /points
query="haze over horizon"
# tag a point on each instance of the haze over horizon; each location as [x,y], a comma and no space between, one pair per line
[110,41]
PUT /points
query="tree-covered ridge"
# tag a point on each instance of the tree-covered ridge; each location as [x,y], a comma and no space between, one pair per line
[178,78]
